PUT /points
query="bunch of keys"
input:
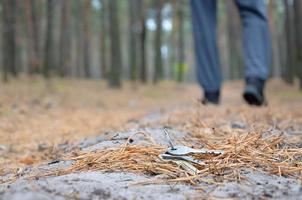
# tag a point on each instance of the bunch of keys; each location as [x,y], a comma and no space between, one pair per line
[181,152]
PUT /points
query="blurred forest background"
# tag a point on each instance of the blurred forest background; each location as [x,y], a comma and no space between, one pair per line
[138,40]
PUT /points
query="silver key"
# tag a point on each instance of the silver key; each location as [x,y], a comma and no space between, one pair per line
[169,138]
[184,150]
[185,158]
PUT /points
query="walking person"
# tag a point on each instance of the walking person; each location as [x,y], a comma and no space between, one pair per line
[256,48]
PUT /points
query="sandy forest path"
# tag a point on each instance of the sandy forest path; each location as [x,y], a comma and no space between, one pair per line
[42,131]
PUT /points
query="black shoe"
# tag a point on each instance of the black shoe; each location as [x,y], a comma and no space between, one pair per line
[253,92]
[211,98]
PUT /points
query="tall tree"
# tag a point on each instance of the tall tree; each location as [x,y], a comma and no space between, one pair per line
[9,38]
[65,38]
[234,40]
[20,39]
[87,37]
[142,40]
[48,51]
[103,38]
[115,46]
[133,42]
[158,71]
[78,27]
[174,38]
[33,34]
[181,41]
[298,22]
[290,42]
[137,39]
[276,62]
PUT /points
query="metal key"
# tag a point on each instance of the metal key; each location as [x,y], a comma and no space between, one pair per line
[169,138]
[184,150]
[185,158]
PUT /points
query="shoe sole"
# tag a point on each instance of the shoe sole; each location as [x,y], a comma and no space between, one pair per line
[252,97]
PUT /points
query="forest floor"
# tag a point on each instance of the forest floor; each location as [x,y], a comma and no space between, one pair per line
[44,126]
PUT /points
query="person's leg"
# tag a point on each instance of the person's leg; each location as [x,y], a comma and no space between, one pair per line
[256,48]
[207,58]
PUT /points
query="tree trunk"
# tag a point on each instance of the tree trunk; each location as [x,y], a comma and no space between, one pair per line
[234,38]
[181,42]
[48,56]
[137,37]
[103,39]
[158,72]
[87,37]
[78,26]
[276,69]
[298,22]
[174,40]
[115,47]
[33,34]
[19,38]
[65,39]
[8,38]
[290,43]
[142,40]
[133,39]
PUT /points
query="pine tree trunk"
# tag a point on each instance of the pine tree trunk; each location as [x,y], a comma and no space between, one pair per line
[9,38]
[276,66]
[158,72]
[137,37]
[33,34]
[48,56]
[103,39]
[181,41]
[142,40]
[78,26]
[233,36]
[298,23]
[290,43]
[174,40]
[115,46]
[133,39]
[65,39]
[19,38]
[87,37]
